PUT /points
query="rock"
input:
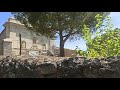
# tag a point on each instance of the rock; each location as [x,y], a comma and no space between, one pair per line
[46,68]
[107,72]
[59,67]
[118,57]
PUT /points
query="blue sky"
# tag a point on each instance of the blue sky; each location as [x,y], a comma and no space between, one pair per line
[69,44]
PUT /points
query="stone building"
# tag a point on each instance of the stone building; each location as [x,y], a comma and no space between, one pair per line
[30,42]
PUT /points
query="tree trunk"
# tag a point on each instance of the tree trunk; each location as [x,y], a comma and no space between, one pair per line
[62,54]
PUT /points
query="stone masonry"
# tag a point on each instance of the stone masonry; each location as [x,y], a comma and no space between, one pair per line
[29,40]
[59,67]
[7,49]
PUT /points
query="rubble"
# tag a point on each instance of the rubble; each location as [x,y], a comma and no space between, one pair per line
[58,67]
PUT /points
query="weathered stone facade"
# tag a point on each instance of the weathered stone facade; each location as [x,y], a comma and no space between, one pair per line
[7,49]
[29,40]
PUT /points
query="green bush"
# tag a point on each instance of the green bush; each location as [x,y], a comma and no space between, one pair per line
[106,42]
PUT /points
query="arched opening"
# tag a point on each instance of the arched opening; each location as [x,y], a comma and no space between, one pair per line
[23,44]
[44,47]
[34,40]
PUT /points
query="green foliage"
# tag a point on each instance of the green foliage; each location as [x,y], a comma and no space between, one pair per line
[68,25]
[46,23]
[106,42]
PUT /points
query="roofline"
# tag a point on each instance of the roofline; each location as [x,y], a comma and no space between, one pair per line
[13,23]
[2,31]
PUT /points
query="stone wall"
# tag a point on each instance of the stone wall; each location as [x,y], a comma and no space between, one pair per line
[59,67]
[7,48]
[26,36]
[12,30]
[1,48]
[2,35]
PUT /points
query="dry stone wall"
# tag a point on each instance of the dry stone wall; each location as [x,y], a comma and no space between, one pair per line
[59,67]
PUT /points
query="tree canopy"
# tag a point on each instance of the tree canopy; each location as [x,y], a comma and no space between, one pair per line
[68,25]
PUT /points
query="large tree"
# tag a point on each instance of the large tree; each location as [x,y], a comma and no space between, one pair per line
[68,25]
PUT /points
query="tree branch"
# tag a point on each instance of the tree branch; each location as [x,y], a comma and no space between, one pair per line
[58,32]
[66,38]
[68,35]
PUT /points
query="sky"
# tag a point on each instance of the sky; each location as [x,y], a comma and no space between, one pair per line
[115,16]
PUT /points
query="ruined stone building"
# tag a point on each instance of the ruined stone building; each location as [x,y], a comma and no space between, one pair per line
[30,42]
